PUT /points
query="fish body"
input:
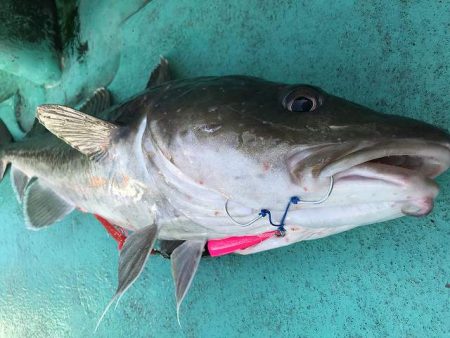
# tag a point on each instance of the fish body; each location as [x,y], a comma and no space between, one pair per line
[198,159]
[187,147]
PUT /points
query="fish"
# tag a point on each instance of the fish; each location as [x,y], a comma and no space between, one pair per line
[204,162]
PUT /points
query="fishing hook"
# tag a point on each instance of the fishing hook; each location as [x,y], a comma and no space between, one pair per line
[292,200]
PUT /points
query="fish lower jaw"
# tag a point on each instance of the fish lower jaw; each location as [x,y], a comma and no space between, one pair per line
[414,191]
[323,221]
[367,195]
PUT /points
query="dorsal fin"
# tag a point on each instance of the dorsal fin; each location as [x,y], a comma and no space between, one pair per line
[88,134]
[160,74]
[98,102]
[42,206]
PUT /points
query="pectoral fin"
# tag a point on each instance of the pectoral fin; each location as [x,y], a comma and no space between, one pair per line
[134,255]
[42,206]
[132,259]
[88,134]
[97,103]
[185,260]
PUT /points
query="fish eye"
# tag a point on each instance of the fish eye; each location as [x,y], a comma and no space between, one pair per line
[301,100]
[302,104]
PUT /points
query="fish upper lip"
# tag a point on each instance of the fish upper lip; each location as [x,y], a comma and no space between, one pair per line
[425,158]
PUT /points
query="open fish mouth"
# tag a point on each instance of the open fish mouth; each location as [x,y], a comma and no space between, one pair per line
[425,158]
[409,166]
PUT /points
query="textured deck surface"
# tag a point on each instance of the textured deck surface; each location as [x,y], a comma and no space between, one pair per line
[381,280]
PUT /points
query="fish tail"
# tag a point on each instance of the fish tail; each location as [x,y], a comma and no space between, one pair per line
[5,138]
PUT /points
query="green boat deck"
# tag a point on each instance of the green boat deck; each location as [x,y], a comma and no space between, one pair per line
[386,279]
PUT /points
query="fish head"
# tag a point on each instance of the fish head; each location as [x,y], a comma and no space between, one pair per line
[256,144]
[371,157]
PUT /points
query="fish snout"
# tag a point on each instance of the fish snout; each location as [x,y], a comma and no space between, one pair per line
[418,207]
[420,195]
